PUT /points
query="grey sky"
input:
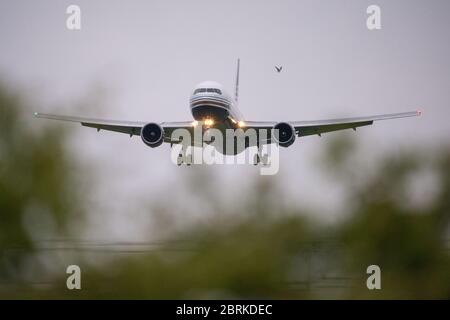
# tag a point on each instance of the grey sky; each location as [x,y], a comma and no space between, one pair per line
[150,54]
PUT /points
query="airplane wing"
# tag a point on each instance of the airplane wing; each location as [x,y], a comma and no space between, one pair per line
[128,127]
[306,128]
[302,128]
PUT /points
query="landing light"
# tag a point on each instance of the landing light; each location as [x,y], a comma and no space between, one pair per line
[208,122]
[241,124]
[194,123]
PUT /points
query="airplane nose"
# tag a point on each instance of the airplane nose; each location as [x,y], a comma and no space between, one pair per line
[201,112]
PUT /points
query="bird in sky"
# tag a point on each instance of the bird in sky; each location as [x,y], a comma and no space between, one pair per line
[279,68]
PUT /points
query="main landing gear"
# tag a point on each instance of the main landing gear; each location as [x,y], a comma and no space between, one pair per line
[185,158]
[261,159]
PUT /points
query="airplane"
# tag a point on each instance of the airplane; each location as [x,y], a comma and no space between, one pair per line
[212,107]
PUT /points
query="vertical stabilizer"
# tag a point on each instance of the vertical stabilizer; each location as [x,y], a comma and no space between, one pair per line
[236,92]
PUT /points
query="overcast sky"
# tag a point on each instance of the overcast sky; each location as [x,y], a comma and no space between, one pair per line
[144,57]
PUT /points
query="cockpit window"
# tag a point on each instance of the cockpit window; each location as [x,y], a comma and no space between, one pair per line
[199,90]
[214,90]
[211,90]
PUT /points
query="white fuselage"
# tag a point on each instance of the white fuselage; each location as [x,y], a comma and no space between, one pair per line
[210,102]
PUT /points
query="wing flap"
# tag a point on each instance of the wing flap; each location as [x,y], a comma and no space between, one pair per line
[121,129]
[306,128]
[92,121]
[311,130]
[355,119]
[128,127]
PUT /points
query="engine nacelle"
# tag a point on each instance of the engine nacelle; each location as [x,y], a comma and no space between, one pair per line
[152,134]
[286,134]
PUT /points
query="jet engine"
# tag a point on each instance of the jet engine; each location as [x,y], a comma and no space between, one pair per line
[286,134]
[152,134]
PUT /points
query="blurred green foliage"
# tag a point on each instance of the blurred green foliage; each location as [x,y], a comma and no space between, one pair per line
[38,192]
[269,250]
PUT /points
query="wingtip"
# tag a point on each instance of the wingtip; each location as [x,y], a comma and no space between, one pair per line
[419,112]
[36,114]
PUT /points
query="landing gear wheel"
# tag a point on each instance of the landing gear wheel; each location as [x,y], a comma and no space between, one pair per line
[265,160]
[185,158]
[188,159]
[256,160]
[180,159]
